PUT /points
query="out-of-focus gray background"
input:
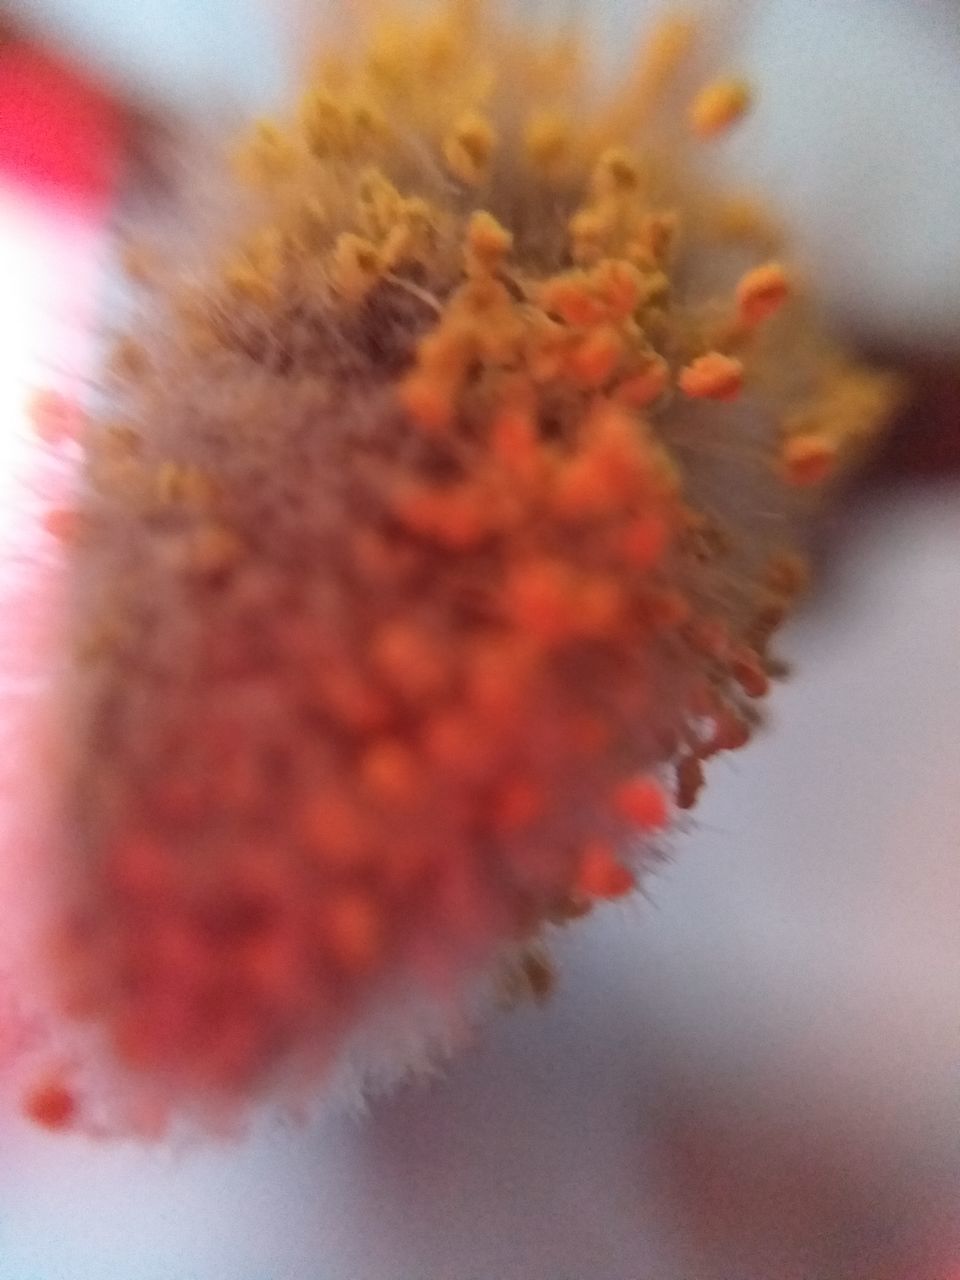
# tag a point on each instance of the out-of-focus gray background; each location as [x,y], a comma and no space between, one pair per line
[754,1074]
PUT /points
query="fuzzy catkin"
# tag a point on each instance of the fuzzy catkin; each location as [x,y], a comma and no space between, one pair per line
[429,547]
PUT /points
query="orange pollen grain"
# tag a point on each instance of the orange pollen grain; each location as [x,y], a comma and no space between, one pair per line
[750,675]
[669,609]
[713,376]
[586,488]
[787,574]
[429,400]
[730,734]
[619,455]
[51,1105]
[391,773]
[455,518]
[344,693]
[66,524]
[590,734]
[446,352]
[518,804]
[498,679]
[514,442]
[332,828]
[54,417]
[455,742]
[617,285]
[808,459]
[140,867]
[643,802]
[594,360]
[541,599]
[690,780]
[601,606]
[641,389]
[645,540]
[352,929]
[487,241]
[709,636]
[718,106]
[600,875]
[407,660]
[570,298]
[762,292]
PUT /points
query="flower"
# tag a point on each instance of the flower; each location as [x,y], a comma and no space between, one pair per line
[432,544]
